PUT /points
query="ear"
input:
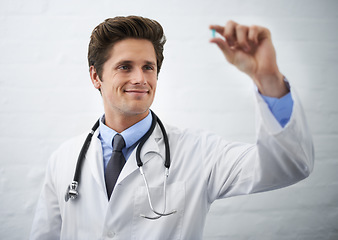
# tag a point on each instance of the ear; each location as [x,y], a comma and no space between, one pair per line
[95,78]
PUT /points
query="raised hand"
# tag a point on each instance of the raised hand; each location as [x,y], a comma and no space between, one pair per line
[250,49]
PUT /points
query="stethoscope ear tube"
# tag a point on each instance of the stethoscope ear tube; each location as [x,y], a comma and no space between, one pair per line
[147,135]
[166,164]
[145,138]
[167,150]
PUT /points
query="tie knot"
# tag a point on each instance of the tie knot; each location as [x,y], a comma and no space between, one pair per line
[118,143]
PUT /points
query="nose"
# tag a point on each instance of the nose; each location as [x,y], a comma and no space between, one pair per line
[138,77]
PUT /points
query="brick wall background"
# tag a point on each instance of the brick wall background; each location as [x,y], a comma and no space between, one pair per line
[46,97]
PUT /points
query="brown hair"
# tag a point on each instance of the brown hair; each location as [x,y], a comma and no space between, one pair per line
[112,30]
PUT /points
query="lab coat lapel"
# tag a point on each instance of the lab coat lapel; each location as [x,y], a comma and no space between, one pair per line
[94,157]
[150,146]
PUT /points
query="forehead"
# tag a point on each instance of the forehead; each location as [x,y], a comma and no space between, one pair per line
[133,50]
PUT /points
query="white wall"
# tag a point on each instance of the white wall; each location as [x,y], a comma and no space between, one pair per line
[46,97]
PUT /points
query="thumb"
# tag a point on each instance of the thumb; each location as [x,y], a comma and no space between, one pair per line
[223,46]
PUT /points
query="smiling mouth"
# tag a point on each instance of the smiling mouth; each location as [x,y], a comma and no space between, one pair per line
[137,92]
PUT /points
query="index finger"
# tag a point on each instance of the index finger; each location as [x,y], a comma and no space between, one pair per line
[219,29]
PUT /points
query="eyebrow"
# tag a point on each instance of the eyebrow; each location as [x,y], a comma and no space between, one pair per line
[130,62]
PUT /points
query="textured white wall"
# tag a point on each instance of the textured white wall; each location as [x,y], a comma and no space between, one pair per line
[46,97]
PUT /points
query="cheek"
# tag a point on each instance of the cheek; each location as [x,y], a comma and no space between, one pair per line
[154,84]
[153,81]
[112,82]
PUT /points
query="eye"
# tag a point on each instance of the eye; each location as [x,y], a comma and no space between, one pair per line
[148,67]
[124,67]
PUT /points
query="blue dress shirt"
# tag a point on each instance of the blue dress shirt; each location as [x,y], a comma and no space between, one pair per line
[281,108]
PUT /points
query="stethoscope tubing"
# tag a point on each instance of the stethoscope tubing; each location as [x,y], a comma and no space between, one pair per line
[147,135]
[84,149]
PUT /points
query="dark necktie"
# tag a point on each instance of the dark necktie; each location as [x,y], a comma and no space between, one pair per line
[115,164]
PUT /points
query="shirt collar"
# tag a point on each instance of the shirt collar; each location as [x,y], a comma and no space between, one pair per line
[131,135]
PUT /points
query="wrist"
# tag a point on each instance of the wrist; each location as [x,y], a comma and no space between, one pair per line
[272,85]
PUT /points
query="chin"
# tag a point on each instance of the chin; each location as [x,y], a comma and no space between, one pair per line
[137,111]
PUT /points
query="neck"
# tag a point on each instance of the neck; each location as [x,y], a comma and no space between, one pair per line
[121,122]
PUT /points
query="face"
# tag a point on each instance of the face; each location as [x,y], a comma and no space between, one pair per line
[129,79]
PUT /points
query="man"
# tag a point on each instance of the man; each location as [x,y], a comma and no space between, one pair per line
[125,56]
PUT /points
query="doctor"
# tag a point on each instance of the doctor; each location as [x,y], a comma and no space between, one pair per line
[125,56]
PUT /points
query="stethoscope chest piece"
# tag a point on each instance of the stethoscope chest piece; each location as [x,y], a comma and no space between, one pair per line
[71,192]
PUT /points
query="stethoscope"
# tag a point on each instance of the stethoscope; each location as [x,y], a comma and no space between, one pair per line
[72,193]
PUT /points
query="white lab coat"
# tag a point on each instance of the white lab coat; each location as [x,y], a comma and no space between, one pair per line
[204,168]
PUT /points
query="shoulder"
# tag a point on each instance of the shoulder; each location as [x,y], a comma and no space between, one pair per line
[192,136]
[68,151]
[72,143]
[179,133]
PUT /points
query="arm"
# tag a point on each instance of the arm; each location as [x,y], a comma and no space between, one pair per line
[281,156]
[47,220]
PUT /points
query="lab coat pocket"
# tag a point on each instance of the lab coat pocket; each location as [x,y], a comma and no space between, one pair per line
[166,227]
